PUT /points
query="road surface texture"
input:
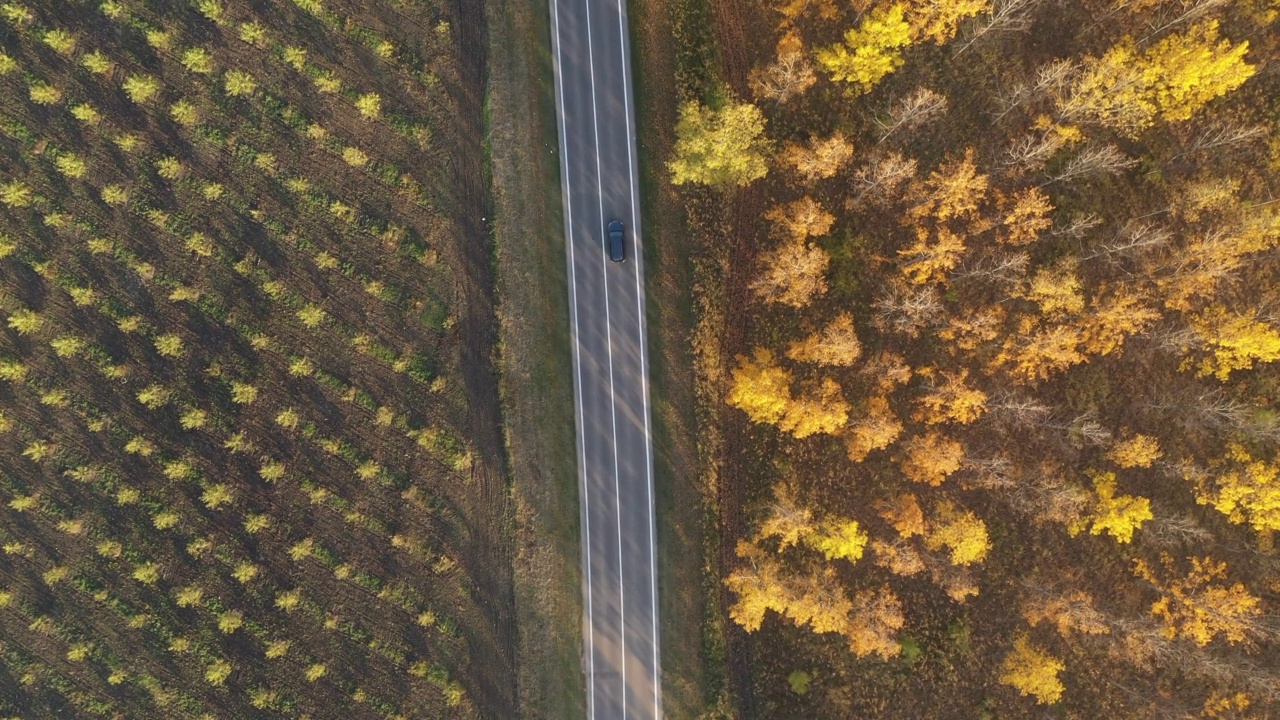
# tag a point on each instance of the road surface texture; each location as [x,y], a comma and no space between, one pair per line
[615,457]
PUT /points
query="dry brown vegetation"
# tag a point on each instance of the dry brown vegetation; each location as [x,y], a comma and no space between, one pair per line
[989,396]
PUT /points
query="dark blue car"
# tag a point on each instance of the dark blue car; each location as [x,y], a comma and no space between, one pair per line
[616,252]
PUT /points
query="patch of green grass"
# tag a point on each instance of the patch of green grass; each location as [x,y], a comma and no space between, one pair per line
[799,681]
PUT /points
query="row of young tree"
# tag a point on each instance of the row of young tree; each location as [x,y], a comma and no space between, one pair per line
[234,432]
[1012,305]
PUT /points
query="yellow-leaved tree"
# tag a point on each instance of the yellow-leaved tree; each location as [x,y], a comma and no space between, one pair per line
[1245,489]
[835,344]
[821,158]
[792,524]
[937,20]
[762,584]
[1117,515]
[1137,451]
[1032,671]
[818,408]
[760,388]
[721,148]
[1231,341]
[959,531]
[870,51]
[950,399]
[931,457]
[875,428]
[1128,88]
[1200,606]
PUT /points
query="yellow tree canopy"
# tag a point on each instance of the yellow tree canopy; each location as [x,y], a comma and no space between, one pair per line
[937,20]
[961,532]
[1032,671]
[789,521]
[1118,515]
[836,344]
[760,388]
[806,600]
[818,409]
[950,399]
[1200,606]
[875,428]
[931,457]
[1195,67]
[839,538]
[1137,451]
[1245,489]
[792,273]
[870,51]
[1127,89]
[819,159]
[1233,341]
[721,148]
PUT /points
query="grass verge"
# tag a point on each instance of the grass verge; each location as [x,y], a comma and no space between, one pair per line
[534,347]
[692,645]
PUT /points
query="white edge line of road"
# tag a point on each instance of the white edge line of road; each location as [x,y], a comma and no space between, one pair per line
[632,180]
[608,334]
[577,357]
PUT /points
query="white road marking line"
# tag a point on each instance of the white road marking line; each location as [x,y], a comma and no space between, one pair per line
[608,329]
[644,372]
[577,364]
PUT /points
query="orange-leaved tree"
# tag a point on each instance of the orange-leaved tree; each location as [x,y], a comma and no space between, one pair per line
[931,457]
[874,428]
[821,158]
[950,399]
[787,77]
[835,344]
[793,273]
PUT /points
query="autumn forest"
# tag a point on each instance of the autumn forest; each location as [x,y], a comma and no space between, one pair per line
[986,342]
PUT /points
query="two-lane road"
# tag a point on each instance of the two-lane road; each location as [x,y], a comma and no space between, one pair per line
[591,54]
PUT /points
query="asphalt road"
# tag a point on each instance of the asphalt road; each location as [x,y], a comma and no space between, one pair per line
[595,104]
